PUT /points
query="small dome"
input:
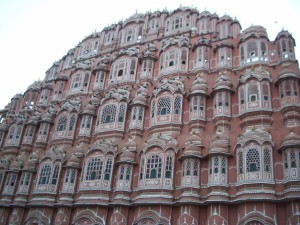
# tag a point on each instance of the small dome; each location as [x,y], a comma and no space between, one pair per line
[219,143]
[141,96]
[94,101]
[130,144]
[204,13]
[127,156]
[89,109]
[74,161]
[47,117]
[291,139]
[193,139]
[199,85]
[193,146]
[254,31]
[223,82]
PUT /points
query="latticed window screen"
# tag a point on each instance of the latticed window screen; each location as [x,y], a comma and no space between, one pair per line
[25,179]
[223,165]
[45,174]
[94,169]
[154,166]
[11,180]
[177,105]
[267,160]
[152,109]
[121,113]
[253,92]
[168,172]
[216,165]
[109,114]
[133,114]
[128,172]
[70,176]
[62,123]
[141,112]
[285,160]
[293,159]
[86,121]
[195,170]
[164,106]
[72,123]
[55,174]
[142,168]
[188,168]
[107,171]
[30,131]
[122,171]
[241,162]
[252,160]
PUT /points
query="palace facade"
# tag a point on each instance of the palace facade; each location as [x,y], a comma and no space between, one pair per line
[165,118]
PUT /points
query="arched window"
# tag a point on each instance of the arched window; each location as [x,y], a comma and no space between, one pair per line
[197,107]
[222,103]
[24,182]
[218,170]
[121,116]
[72,123]
[137,117]
[157,170]
[177,105]
[154,167]
[65,127]
[48,177]
[97,172]
[190,172]
[252,160]
[173,60]
[164,106]
[109,114]
[69,180]
[10,183]
[255,164]
[123,70]
[124,177]
[14,134]
[86,124]
[62,123]
[94,169]
[254,95]
[80,82]
[291,162]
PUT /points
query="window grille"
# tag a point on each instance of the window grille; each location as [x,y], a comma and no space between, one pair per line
[94,169]
[121,113]
[109,114]
[253,160]
[72,123]
[108,169]
[241,162]
[164,106]
[55,175]
[177,105]
[62,123]
[168,172]
[45,174]
[154,167]
[267,160]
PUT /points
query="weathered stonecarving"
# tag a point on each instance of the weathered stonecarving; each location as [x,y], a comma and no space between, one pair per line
[165,118]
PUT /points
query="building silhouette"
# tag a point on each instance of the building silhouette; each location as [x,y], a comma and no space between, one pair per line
[165,118]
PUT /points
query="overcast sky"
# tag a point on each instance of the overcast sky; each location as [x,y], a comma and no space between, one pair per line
[36,33]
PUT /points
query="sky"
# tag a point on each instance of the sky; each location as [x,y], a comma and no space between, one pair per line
[36,33]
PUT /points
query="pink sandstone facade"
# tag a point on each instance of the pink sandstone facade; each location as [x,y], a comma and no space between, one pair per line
[164,118]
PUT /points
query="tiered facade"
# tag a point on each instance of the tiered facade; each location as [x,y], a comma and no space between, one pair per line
[164,118]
